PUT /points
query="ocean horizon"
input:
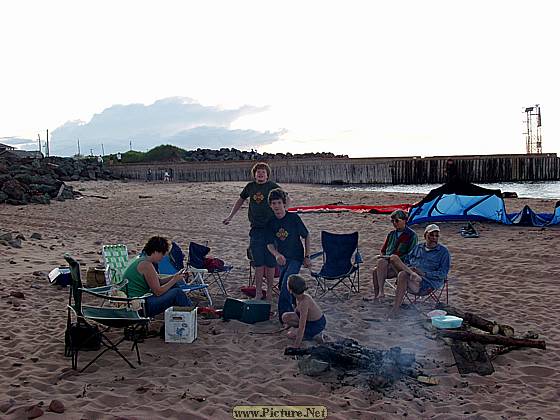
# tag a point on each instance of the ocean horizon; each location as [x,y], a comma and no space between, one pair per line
[530,189]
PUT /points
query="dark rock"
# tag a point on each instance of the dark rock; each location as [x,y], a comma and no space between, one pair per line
[14,190]
[20,236]
[15,243]
[14,202]
[25,180]
[6,405]
[43,188]
[34,412]
[509,194]
[41,199]
[6,237]
[36,235]
[17,294]
[56,406]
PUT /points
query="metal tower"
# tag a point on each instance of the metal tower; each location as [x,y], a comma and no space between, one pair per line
[533,135]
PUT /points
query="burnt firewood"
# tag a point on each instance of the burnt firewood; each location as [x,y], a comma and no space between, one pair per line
[499,350]
[493,339]
[479,322]
[377,366]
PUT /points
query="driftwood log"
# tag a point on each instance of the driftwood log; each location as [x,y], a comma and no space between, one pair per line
[478,322]
[493,339]
[498,350]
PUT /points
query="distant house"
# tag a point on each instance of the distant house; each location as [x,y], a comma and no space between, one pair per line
[4,147]
[12,151]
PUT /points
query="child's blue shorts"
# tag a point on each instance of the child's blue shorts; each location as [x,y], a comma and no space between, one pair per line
[312,328]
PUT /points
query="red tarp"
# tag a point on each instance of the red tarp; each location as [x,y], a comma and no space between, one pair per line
[360,208]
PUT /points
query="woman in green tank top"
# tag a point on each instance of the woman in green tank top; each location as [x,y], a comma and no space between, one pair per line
[143,278]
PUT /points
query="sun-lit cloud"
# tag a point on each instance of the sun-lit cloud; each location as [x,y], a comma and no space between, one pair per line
[179,121]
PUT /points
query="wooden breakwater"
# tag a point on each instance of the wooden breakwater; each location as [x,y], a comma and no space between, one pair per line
[397,170]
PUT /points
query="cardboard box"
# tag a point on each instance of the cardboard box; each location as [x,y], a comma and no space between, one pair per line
[181,324]
[95,277]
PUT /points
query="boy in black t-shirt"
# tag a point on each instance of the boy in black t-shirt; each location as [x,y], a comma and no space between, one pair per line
[285,232]
[259,215]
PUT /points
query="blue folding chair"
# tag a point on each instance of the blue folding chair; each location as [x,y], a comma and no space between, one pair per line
[197,254]
[173,262]
[341,264]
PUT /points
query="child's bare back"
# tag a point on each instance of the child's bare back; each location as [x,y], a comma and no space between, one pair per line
[313,311]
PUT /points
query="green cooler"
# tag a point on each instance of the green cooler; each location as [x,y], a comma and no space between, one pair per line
[246,310]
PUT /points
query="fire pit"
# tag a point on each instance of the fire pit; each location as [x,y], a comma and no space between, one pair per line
[348,359]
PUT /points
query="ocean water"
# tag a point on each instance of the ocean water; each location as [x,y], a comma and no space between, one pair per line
[537,189]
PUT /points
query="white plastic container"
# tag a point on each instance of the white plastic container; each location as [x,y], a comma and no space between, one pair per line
[447,321]
[181,324]
[436,312]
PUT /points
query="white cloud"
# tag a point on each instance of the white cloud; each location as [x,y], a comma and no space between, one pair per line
[178,121]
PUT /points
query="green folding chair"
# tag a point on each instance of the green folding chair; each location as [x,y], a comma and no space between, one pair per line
[116,261]
[127,319]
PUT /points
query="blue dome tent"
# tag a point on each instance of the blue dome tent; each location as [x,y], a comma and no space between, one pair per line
[460,201]
[463,201]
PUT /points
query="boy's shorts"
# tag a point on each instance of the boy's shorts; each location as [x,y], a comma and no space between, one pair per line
[259,251]
[313,328]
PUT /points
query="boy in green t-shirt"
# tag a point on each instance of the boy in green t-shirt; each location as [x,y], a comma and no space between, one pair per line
[259,214]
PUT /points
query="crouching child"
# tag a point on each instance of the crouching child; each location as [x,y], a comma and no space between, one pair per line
[308,320]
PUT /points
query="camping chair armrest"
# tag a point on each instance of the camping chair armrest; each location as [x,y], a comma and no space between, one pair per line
[196,270]
[121,285]
[108,297]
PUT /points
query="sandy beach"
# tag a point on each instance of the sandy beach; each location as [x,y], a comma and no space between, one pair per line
[509,274]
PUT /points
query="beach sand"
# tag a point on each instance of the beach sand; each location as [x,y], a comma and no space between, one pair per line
[509,274]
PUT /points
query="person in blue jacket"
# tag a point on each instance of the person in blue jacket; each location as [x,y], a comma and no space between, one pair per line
[426,268]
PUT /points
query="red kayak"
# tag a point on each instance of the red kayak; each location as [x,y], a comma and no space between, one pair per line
[360,208]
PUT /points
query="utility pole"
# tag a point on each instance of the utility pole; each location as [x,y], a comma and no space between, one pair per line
[39,140]
[130,144]
[48,151]
[102,150]
[78,146]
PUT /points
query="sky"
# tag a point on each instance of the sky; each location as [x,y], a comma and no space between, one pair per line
[362,78]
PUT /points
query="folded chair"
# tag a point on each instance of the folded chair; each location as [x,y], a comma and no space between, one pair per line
[341,264]
[218,274]
[173,262]
[124,318]
[428,296]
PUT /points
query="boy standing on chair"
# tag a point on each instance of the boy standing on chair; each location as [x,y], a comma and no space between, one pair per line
[259,214]
[285,233]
